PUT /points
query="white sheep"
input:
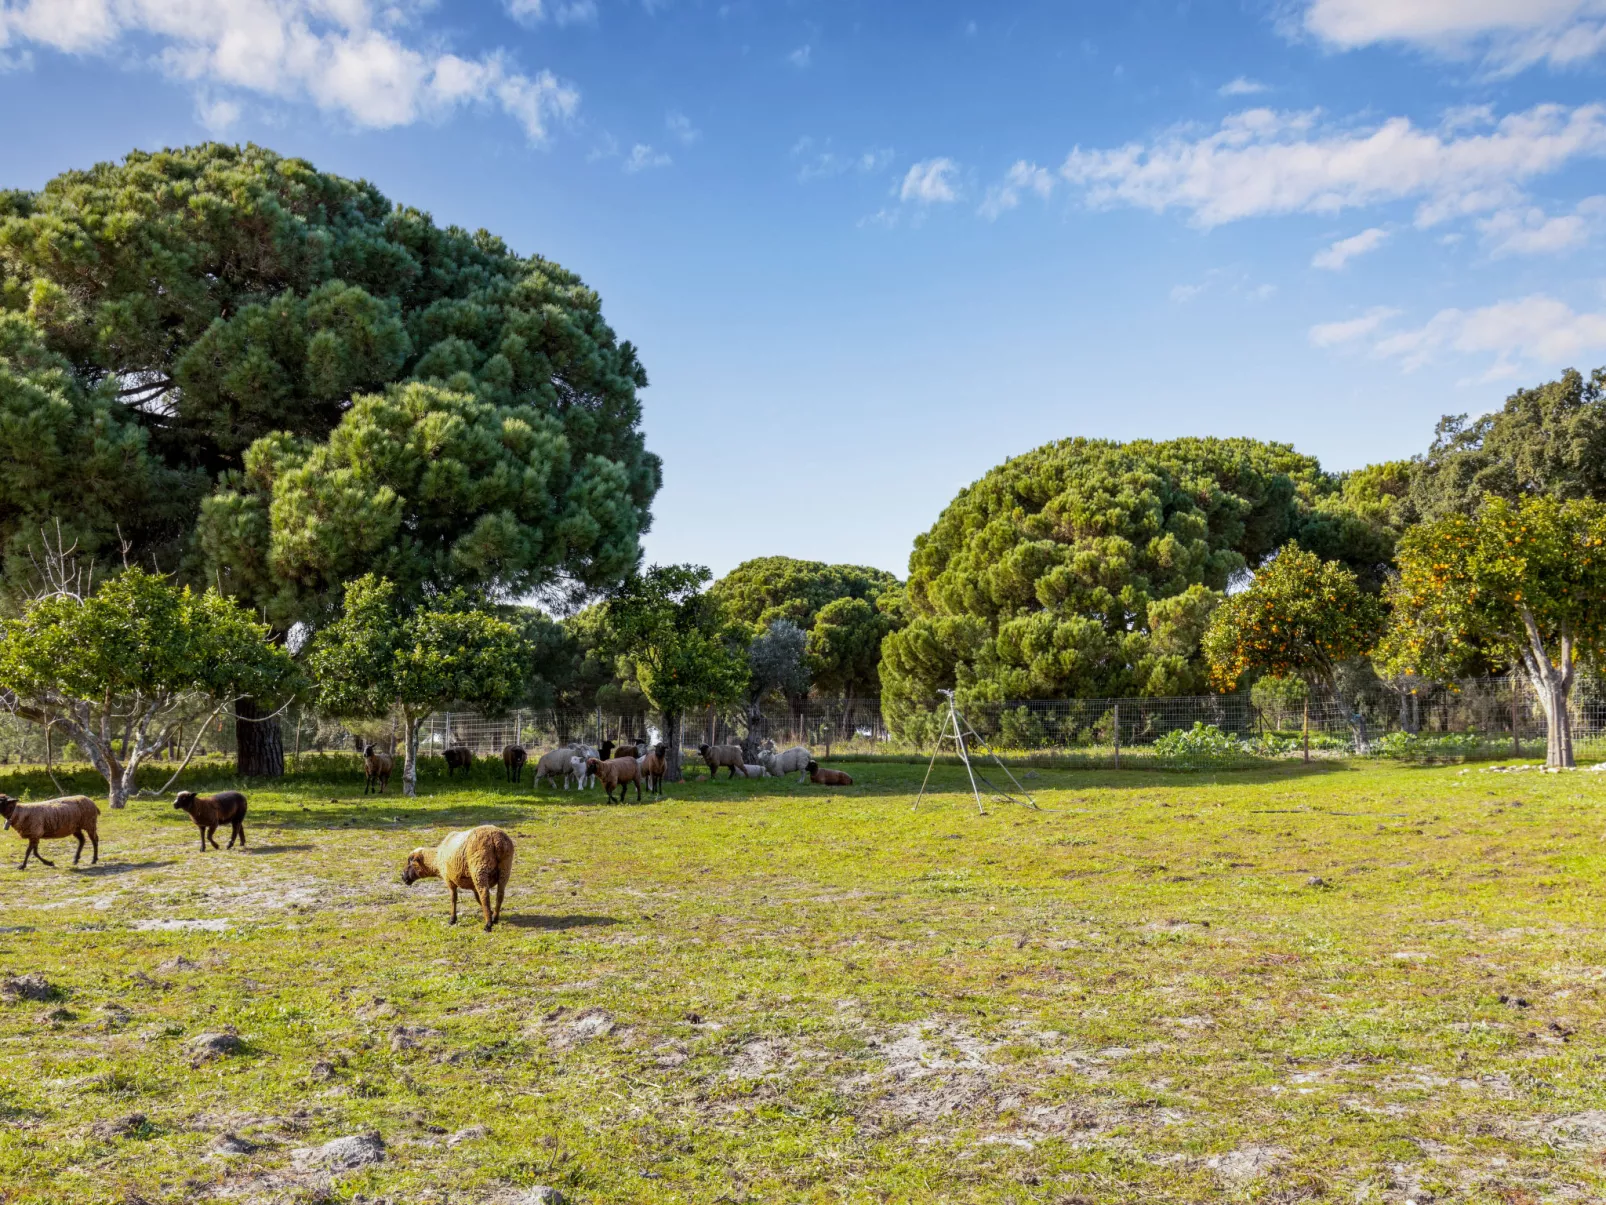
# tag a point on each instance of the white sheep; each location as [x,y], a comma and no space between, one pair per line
[753,771]
[793,761]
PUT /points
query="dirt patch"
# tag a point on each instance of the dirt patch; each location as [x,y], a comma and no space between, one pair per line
[933,1070]
[27,987]
[1246,1163]
[565,1029]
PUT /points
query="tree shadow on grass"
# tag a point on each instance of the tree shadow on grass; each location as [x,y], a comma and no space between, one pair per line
[555,923]
[110,868]
[279,849]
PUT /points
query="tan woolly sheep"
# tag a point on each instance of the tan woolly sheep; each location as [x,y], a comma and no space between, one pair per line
[376,770]
[53,820]
[723,757]
[617,772]
[479,859]
[653,768]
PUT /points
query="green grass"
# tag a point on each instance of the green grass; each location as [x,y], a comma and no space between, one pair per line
[1345,984]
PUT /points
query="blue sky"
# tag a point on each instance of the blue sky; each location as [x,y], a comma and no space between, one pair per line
[870,250]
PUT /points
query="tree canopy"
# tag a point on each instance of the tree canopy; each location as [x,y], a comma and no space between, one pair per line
[1548,441]
[1090,569]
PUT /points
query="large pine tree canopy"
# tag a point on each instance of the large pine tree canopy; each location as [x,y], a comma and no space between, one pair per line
[265,376]
[1089,569]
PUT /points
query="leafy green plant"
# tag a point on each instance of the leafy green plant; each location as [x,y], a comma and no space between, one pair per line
[1201,743]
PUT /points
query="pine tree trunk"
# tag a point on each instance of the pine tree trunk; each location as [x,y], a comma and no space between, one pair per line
[258,742]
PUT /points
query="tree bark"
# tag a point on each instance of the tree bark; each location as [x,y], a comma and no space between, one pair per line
[672,771]
[258,742]
[410,765]
[1553,684]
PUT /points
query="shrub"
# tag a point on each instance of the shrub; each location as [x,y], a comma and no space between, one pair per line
[1406,746]
[1202,742]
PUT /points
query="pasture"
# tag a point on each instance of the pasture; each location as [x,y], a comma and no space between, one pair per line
[1329,983]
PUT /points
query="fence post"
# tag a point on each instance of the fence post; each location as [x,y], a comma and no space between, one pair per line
[1516,731]
[1117,736]
[1307,729]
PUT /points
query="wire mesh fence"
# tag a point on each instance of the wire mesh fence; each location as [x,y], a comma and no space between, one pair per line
[1481,719]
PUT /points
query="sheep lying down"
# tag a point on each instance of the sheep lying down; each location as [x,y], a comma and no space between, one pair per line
[478,859]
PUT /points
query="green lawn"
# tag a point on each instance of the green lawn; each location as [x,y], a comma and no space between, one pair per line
[1346,984]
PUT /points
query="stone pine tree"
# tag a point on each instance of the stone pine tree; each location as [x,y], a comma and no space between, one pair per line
[271,380]
[383,655]
[1301,617]
[1519,584]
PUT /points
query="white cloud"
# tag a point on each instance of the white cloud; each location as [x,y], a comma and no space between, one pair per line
[218,116]
[1346,249]
[1532,328]
[679,125]
[1262,162]
[1331,334]
[1182,294]
[802,56]
[564,12]
[930,182]
[1510,34]
[1531,231]
[353,58]
[1022,177]
[642,158]
[1242,86]
[820,161]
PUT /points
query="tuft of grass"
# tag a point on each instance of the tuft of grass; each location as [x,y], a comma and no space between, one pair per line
[1325,983]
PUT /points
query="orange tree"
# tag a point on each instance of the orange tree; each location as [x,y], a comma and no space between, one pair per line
[1301,617]
[1521,584]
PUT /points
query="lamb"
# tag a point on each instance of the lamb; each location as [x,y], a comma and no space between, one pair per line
[477,858]
[828,778]
[753,771]
[459,759]
[617,772]
[53,820]
[794,761]
[653,768]
[722,757]
[376,770]
[513,759]
[210,811]
[559,764]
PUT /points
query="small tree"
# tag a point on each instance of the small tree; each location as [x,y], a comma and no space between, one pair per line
[775,662]
[1301,617]
[379,655]
[123,667]
[1521,584]
[671,632]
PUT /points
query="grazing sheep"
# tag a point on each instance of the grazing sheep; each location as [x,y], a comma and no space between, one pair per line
[617,772]
[477,858]
[653,768]
[376,770]
[53,820]
[459,759]
[794,761]
[513,759]
[722,756]
[753,771]
[558,764]
[210,811]
[828,778]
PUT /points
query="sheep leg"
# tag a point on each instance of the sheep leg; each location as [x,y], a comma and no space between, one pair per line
[34,846]
[211,835]
[94,840]
[203,840]
[482,896]
[638,790]
[501,885]
[453,886]
[79,852]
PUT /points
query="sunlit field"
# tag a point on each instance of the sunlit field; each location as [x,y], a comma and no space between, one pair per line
[1345,984]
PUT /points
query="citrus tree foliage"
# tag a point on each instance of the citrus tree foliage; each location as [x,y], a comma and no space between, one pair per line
[215,297]
[676,644]
[839,607]
[383,654]
[122,668]
[1302,617]
[1545,442]
[1519,584]
[1090,569]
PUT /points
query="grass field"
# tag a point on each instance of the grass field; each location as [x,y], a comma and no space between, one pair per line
[1346,984]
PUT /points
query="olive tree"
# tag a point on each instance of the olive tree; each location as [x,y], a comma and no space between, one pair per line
[1521,584]
[382,654]
[123,664]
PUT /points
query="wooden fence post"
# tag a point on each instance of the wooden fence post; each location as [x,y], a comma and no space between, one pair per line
[1117,736]
[1516,731]
[1307,730]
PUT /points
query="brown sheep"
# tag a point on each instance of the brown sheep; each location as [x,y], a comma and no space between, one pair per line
[513,759]
[459,759]
[376,770]
[477,858]
[210,811]
[617,772]
[828,778]
[53,820]
[723,756]
[653,768]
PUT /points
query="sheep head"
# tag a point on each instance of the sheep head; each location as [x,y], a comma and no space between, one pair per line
[185,801]
[8,805]
[419,866]
[593,764]
[703,750]
[812,767]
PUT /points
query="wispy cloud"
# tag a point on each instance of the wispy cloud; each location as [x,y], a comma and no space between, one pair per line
[1242,86]
[1349,330]
[821,160]
[1531,231]
[643,158]
[802,56]
[1262,162]
[1509,34]
[1537,328]
[1182,294]
[559,12]
[352,58]
[1340,253]
[931,182]
[681,128]
[1022,177]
